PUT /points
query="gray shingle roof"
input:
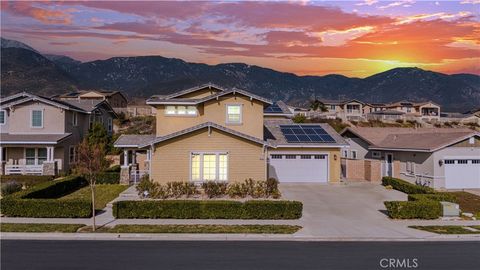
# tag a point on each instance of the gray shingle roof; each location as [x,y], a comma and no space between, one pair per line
[274,135]
[133,140]
[6,138]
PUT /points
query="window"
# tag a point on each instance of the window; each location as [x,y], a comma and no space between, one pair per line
[181,110]
[234,114]
[30,156]
[109,124]
[74,119]
[332,107]
[276,156]
[4,154]
[37,118]
[320,156]
[474,161]
[462,161]
[376,154]
[3,115]
[42,155]
[290,156]
[72,154]
[345,153]
[209,167]
[305,157]
[449,161]
[471,140]
[354,154]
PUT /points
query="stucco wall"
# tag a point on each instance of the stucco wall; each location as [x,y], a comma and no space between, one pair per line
[20,119]
[171,159]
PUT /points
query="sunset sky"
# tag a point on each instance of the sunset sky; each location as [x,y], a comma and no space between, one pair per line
[353,38]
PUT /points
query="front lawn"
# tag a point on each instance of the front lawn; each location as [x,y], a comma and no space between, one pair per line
[103,194]
[257,229]
[39,227]
[448,229]
[468,202]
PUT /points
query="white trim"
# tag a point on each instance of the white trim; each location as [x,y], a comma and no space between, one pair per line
[4,117]
[20,142]
[217,165]
[240,105]
[401,150]
[31,117]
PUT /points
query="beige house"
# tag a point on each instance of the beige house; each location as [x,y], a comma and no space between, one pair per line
[116,99]
[424,111]
[38,135]
[350,109]
[208,133]
[439,157]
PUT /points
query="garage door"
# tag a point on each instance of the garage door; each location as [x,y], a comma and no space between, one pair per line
[462,173]
[299,167]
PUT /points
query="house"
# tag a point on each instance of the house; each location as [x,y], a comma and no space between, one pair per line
[208,133]
[38,135]
[424,111]
[139,107]
[116,99]
[438,157]
[349,109]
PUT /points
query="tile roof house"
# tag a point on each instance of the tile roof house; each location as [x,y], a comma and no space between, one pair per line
[208,133]
[38,135]
[439,157]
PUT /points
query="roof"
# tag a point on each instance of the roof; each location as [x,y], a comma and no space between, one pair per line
[133,140]
[191,90]
[26,97]
[420,139]
[188,101]
[274,135]
[76,94]
[89,105]
[339,102]
[201,126]
[390,112]
[7,138]
[409,103]
[283,109]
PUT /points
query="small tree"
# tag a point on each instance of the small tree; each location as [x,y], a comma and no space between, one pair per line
[91,161]
[316,105]
[98,134]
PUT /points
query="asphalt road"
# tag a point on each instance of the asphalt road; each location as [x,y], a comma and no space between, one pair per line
[133,255]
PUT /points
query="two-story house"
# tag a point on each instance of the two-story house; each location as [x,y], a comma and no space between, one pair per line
[350,109]
[116,99]
[427,110]
[208,133]
[38,135]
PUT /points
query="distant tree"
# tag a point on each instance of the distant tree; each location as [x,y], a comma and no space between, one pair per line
[299,118]
[98,134]
[317,105]
[91,161]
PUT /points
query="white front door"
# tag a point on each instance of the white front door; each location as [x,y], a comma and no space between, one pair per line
[462,173]
[297,167]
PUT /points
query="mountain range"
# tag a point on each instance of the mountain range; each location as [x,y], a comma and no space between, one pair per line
[25,69]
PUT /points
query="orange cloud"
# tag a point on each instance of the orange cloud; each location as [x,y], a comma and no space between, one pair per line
[27,9]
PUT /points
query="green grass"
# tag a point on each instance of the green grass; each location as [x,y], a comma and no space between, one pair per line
[103,194]
[40,227]
[468,202]
[257,229]
[447,229]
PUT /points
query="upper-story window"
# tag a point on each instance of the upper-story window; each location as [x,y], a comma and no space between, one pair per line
[181,110]
[37,119]
[234,114]
[332,107]
[74,119]
[109,124]
[3,117]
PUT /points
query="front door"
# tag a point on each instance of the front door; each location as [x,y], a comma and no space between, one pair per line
[389,159]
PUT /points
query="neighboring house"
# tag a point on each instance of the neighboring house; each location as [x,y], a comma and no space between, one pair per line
[425,111]
[350,109]
[438,157]
[38,135]
[207,133]
[386,115]
[139,107]
[464,118]
[116,99]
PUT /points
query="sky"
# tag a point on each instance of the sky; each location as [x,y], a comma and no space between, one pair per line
[353,38]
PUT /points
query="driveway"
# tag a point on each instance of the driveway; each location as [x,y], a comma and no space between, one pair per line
[348,210]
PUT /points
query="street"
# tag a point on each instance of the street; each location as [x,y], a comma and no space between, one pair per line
[30,254]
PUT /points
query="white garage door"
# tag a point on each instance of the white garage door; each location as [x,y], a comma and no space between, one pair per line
[462,173]
[299,167]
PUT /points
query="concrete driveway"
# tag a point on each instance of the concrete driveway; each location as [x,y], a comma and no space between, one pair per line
[348,210]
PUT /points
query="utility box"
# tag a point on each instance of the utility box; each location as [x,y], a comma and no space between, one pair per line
[450,209]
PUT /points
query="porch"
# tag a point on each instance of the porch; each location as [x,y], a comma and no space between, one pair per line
[135,163]
[29,160]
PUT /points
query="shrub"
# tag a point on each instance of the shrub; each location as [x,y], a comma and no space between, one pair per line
[422,209]
[272,188]
[114,168]
[214,189]
[26,180]
[196,209]
[439,197]
[11,187]
[40,200]
[108,178]
[406,187]
[236,190]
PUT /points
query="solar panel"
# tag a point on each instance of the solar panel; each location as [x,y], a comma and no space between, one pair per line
[273,109]
[305,133]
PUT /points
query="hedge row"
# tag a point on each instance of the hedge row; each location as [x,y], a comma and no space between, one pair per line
[40,200]
[196,209]
[422,209]
[25,180]
[439,197]
[108,178]
[406,187]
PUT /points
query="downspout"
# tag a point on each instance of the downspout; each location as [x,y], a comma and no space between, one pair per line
[265,157]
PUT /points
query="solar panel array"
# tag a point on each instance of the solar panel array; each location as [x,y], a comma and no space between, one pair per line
[273,109]
[305,134]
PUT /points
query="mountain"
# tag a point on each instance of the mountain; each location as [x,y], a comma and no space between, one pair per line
[149,75]
[8,43]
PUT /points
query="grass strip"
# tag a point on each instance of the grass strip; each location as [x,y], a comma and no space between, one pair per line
[103,194]
[447,229]
[39,227]
[254,229]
